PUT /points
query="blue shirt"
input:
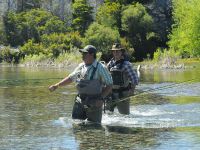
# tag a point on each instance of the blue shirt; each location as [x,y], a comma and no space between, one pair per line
[84,71]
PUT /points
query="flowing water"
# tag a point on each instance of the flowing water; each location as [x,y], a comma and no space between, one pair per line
[164,114]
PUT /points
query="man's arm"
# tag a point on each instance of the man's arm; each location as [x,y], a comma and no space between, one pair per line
[63,82]
[106,91]
[69,79]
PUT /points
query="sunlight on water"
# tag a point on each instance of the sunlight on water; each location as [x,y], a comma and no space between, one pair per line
[172,89]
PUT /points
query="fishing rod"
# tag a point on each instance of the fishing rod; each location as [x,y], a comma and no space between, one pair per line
[151,90]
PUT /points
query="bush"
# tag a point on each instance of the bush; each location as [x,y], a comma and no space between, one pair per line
[10,55]
[164,56]
[184,38]
[32,24]
[109,14]
[137,25]
[102,38]
[53,44]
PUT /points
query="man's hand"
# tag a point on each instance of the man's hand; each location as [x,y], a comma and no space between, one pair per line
[132,90]
[99,103]
[53,87]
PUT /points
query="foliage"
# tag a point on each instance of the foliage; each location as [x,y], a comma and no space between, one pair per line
[39,32]
[2,33]
[185,36]
[82,15]
[137,24]
[74,57]
[30,25]
[36,58]
[109,14]
[31,48]
[102,37]
[9,55]
[53,44]
[164,56]
[124,2]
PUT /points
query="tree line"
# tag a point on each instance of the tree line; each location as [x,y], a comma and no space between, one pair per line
[37,31]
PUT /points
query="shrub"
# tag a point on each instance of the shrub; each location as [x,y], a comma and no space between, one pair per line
[184,38]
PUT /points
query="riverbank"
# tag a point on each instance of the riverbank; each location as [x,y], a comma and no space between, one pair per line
[70,64]
[165,65]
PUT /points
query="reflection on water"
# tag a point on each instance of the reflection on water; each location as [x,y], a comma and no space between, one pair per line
[33,118]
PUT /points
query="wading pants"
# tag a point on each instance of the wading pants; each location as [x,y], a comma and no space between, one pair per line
[122,106]
[83,109]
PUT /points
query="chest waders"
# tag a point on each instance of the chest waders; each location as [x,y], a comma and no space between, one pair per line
[121,86]
[89,93]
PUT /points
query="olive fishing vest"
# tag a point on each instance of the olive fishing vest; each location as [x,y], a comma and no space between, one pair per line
[89,87]
[120,78]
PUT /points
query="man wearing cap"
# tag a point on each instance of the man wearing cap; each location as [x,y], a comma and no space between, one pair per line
[93,82]
[124,80]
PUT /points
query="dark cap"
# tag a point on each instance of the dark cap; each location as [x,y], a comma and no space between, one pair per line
[88,49]
[117,47]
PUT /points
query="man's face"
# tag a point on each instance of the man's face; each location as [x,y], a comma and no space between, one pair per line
[117,54]
[87,57]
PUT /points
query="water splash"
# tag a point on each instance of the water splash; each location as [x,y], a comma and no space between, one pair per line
[156,116]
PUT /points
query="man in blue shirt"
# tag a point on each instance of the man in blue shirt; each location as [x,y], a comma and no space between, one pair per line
[93,82]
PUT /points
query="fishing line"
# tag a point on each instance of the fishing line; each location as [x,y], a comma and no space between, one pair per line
[155,89]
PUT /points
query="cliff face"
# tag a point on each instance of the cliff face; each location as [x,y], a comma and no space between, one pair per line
[160,10]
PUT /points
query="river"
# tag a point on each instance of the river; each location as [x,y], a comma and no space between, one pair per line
[165,114]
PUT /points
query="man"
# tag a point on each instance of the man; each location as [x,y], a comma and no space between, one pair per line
[124,80]
[93,83]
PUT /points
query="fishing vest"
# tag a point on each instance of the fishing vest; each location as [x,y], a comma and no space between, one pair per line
[120,78]
[89,87]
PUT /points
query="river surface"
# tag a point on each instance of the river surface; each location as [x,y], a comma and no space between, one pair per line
[165,113]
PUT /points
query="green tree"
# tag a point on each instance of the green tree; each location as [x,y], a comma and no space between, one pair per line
[138,25]
[185,36]
[32,24]
[12,28]
[109,14]
[82,16]
[102,37]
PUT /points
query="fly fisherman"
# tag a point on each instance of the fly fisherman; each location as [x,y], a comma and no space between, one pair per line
[93,82]
[124,80]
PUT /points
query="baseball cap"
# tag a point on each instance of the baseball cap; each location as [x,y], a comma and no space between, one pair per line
[88,49]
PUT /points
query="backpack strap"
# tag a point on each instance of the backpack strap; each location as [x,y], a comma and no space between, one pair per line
[120,62]
[93,72]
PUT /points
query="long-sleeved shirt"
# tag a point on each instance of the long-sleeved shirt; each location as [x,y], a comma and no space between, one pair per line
[127,68]
[84,72]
